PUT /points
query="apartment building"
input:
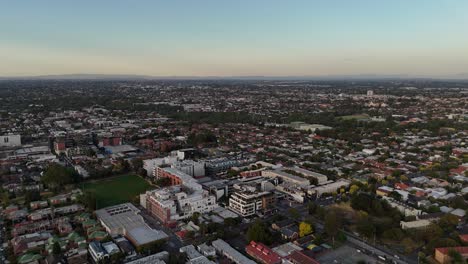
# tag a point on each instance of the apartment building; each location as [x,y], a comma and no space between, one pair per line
[185,197]
[249,202]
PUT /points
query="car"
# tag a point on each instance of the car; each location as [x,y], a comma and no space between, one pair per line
[358,250]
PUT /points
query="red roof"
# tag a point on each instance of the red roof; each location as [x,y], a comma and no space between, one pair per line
[461,250]
[263,253]
[181,233]
[299,257]
[459,170]
[401,186]
[464,238]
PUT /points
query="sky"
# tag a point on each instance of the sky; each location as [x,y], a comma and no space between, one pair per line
[234,38]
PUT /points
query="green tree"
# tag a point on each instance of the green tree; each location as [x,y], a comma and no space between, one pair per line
[294,213]
[88,199]
[312,208]
[56,176]
[56,249]
[4,197]
[195,217]
[30,196]
[455,257]
[163,182]
[448,222]
[332,224]
[259,232]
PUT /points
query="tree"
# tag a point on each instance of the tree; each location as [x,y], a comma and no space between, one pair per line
[440,242]
[56,176]
[312,208]
[31,196]
[177,258]
[448,222]
[137,164]
[259,232]
[230,221]
[117,257]
[4,197]
[408,244]
[394,234]
[332,224]
[88,199]
[305,229]
[455,256]
[195,216]
[353,189]
[163,182]
[366,228]
[396,195]
[56,249]
[294,213]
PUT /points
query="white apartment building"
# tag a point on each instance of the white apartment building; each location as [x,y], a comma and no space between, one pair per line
[287,177]
[328,188]
[10,141]
[248,202]
[321,179]
[177,202]
[193,168]
[151,164]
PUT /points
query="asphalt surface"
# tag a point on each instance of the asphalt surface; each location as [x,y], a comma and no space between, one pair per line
[347,254]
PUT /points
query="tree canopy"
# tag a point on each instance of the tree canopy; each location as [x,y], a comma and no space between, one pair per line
[259,232]
[57,175]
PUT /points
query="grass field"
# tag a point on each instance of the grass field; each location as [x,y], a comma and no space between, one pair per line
[117,190]
[349,117]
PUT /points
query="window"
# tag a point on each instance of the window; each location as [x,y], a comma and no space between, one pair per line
[5,140]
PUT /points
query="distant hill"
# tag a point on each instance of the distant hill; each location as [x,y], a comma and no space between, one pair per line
[459,76]
[80,77]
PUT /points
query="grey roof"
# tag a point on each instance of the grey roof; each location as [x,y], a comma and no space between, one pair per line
[230,252]
[152,259]
[144,235]
[124,219]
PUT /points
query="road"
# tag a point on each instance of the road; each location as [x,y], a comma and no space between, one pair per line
[377,251]
[355,240]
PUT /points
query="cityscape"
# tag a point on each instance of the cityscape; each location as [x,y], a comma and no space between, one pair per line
[233,171]
[234,132]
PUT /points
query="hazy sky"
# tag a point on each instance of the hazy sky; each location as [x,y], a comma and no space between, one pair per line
[234,37]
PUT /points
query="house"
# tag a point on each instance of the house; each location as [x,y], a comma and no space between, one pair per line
[442,254]
[383,191]
[77,256]
[206,250]
[281,224]
[290,232]
[262,253]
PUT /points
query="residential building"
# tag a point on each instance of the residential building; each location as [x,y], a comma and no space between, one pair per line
[442,254]
[177,202]
[10,140]
[249,202]
[328,188]
[287,177]
[235,256]
[262,253]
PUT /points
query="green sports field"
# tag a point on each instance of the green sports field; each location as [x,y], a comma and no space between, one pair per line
[117,190]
